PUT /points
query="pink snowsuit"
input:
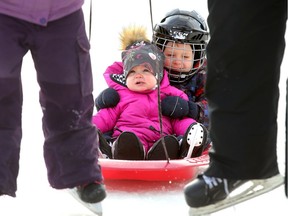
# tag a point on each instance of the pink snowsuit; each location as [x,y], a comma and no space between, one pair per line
[138,112]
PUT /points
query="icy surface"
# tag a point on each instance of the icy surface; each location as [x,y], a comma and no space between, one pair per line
[35,197]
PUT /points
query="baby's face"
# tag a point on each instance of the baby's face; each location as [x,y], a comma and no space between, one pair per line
[178,57]
[141,79]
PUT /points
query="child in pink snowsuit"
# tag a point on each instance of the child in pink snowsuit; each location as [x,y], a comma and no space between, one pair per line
[135,119]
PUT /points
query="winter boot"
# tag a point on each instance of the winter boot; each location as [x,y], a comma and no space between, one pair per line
[157,152]
[104,146]
[128,147]
[194,141]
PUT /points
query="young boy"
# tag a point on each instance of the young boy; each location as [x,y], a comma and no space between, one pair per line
[183,36]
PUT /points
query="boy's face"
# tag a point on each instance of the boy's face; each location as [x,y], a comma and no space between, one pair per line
[141,79]
[178,57]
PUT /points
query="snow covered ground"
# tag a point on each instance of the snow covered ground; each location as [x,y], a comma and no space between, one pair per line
[35,196]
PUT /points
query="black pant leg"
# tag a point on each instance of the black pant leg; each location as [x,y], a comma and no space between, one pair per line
[244,59]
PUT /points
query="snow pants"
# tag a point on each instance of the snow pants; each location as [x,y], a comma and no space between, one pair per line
[244,57]
[60,52]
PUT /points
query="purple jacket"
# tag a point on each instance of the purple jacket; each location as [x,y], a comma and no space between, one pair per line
[137,112]
[37,11]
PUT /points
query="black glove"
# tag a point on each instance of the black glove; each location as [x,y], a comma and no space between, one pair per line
[107,98]
[174,107]
[193,110]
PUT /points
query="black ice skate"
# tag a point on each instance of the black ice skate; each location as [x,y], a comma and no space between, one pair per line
[194,141]
[206,195]
[90,196]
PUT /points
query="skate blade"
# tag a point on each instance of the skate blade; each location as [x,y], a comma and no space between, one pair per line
[245,192]
[194,138]
[94,207]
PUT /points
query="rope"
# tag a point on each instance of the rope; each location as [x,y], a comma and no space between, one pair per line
[151,15]
[160,119]
[90,21]
[159,95]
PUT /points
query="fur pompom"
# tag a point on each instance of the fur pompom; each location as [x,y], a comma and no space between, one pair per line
[132,34]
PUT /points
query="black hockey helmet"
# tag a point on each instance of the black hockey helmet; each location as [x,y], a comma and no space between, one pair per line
[184,27]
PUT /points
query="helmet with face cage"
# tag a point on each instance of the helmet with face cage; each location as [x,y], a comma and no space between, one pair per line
[187,28]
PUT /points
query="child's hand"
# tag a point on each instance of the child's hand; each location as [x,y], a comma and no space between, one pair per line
[107,98]
[174,107]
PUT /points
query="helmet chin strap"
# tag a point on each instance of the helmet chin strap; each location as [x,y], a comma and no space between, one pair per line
[183,75]
[179,77]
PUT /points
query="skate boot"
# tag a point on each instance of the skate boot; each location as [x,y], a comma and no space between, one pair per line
[156,152]
[90,196]
[209,194]
[194,141]
[104,146]
[92,193]
[128,147]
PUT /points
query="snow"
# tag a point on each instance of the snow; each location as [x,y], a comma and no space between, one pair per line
[35,196]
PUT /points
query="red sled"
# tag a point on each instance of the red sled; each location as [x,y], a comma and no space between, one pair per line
[154,170]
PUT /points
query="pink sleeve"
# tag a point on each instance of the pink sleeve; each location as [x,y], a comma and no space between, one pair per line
[105,119]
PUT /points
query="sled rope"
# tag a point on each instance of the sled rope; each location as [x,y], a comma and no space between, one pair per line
[151,15]
[159,97]
[90,20]
[160,119]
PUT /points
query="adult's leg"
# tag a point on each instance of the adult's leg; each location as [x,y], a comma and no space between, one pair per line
[244,57]
[62,61]
[12,50]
